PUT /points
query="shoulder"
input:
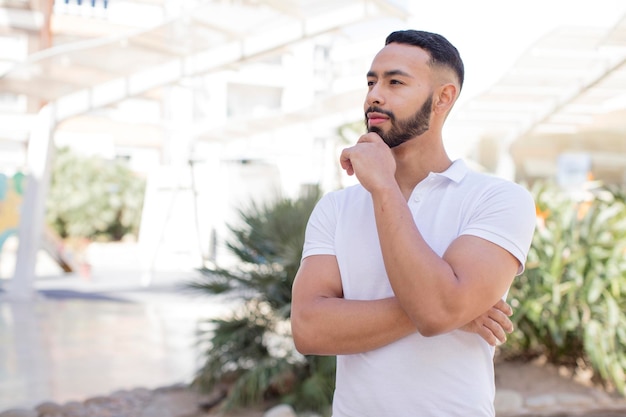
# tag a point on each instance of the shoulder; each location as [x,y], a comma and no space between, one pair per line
[489,186]
[500,188]
[353,194]
[505,208]
[489,193]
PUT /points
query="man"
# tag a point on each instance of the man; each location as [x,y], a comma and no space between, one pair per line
[396,267]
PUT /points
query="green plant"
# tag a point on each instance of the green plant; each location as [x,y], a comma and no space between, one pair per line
[570,304]
[253,348]
[94,198]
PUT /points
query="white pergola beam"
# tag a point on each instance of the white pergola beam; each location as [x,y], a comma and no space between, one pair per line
[31,20]
[102,94]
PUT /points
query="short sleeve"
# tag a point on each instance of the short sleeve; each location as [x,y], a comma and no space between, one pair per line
[506,216]
[319,237]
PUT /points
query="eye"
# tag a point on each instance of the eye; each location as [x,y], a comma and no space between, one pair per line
[370,83]
[395,82]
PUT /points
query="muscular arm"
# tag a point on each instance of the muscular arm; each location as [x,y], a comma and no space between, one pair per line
[324,323]
[438,293]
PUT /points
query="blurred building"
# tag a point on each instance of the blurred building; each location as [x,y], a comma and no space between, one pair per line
[218,102]
[559,113]
[215,102]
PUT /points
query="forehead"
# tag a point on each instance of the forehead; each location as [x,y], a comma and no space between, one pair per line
[400,57]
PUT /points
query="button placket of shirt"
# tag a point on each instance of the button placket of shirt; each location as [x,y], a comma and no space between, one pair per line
[423,188]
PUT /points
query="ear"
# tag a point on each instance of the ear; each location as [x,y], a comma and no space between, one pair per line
[445,98]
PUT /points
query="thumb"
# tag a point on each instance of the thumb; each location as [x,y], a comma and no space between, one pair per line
[370,137]
[345,162]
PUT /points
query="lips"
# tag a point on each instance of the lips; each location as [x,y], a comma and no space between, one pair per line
[374,118]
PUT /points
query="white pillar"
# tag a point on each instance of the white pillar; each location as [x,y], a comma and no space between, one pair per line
[506,165]
[31,228]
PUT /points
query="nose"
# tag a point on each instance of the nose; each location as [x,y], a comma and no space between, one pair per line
[374,96]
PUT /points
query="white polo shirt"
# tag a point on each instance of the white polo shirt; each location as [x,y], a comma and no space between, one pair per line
[446,375]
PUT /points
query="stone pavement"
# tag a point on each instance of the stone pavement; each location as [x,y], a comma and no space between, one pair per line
[537,388]
[511,403]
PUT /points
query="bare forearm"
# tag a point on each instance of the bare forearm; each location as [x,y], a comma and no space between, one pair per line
[335,326]
[438,293]
[422,281]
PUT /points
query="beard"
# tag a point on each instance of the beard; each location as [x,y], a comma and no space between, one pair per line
[405,129]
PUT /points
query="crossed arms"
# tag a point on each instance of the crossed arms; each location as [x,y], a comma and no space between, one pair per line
[434,294]
[324,323]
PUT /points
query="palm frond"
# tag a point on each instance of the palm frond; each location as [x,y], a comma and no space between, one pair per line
[252,346]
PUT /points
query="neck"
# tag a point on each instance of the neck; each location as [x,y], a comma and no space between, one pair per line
[417,158]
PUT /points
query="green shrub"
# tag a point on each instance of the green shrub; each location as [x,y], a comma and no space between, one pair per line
[253,348]
[94,198]
[570,304]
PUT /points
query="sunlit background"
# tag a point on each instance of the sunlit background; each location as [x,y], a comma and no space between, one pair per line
[205,105]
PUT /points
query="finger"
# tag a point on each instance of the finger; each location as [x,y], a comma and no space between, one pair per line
[504,307]
[345,162]
[370,137]
[501,319]
[488,335]
[489,330]
[495,329]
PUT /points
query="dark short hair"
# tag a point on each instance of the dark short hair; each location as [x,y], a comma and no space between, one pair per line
[441,51]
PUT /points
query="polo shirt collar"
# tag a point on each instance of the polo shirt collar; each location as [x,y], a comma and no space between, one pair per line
[455,172]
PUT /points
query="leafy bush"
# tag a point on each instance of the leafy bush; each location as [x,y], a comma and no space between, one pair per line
[95,198]
[253,350]
[570,304]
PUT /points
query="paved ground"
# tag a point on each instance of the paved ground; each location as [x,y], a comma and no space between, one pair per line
[86,336]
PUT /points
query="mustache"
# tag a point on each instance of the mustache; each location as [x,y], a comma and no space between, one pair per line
[374,109]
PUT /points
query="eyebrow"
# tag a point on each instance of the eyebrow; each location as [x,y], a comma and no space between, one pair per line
[390,73]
